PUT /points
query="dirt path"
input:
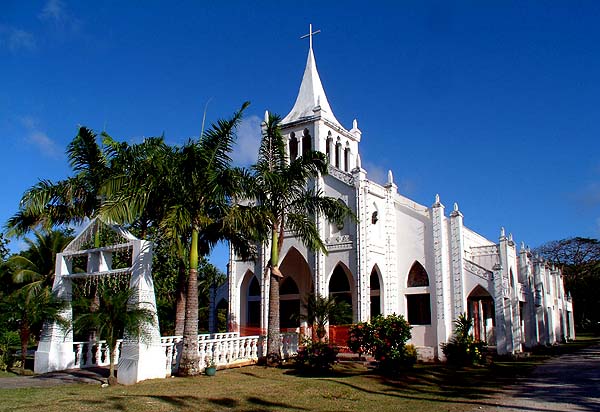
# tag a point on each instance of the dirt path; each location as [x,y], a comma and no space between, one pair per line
[567,383]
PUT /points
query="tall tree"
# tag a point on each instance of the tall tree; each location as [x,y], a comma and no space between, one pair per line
[200,183]
[285,201]
[27,309]
[72,200]
[580,261]
[34,267]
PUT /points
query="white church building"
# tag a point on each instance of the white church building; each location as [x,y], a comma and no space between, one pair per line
[401,257]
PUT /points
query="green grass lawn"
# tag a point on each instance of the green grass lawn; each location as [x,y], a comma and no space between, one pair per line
[431,387]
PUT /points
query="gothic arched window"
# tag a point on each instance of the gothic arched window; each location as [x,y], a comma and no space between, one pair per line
[417,276]
[306,142]
[293,147]
[338,154]
[418,304]
[347,158]
[289,304]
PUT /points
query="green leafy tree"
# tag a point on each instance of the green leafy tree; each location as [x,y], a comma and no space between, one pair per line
[284,200]
[579,259]
[27,309]
[115,318]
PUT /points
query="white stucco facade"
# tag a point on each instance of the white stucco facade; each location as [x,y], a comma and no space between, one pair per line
[401,257]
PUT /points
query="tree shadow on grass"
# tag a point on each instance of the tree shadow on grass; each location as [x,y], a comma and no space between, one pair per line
[422,396]
[277,405]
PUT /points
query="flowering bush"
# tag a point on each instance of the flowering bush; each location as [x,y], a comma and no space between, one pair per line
[360,337]
[316,356]
[462,348]
[385,338]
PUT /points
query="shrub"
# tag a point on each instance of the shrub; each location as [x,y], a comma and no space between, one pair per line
[462,348]
[316,356]
[8,341]
[360,338]
[385,338]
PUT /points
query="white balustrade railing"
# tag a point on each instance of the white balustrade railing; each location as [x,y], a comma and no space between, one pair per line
[219,348]
[94,353]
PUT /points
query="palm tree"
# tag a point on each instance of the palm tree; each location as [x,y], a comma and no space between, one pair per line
[321,309]
[48,204]
[35,266]
[285,202]
[28,308]
[114,319]
[197,187]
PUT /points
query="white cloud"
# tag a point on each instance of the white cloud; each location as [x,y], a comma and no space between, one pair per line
[245,150]
[46,145]
[54,10]
[16,39]
[375,172]
[39,139]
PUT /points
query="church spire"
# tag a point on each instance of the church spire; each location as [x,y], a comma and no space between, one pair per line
[311,96]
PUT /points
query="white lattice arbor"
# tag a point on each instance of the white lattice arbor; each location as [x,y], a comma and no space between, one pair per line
[140,359]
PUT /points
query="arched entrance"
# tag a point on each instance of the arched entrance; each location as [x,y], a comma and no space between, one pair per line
[293,289]
[250,305]
[339,288]
[289,304]
[481,310]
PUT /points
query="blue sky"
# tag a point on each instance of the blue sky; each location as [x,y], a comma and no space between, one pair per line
[494,105]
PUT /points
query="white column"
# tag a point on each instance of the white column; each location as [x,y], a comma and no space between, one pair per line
[142,358]
[55,350]
[442,273]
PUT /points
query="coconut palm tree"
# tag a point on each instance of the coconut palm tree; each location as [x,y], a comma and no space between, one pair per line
[115,318]
[285,201]
[72,200]
[34,267]
[197,187]
[27,309]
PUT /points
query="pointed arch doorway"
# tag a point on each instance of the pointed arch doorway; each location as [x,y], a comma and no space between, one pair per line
[293,290]
[481,310]
[341,290]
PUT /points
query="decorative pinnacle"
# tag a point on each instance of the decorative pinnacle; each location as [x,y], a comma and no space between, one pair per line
[266,116]
[358,162]
[437,198]
[355,124]
[455,206]
[502,232]
[390,178]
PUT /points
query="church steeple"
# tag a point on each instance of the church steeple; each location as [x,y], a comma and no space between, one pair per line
[311,96]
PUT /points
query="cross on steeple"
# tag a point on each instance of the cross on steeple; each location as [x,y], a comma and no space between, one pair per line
[310,34]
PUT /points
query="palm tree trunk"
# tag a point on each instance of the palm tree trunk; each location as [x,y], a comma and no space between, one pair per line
[24,335]
[112,379]
[273,329]
[190,358]
[180,299]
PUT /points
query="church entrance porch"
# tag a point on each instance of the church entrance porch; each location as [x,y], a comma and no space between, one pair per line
[481,311]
